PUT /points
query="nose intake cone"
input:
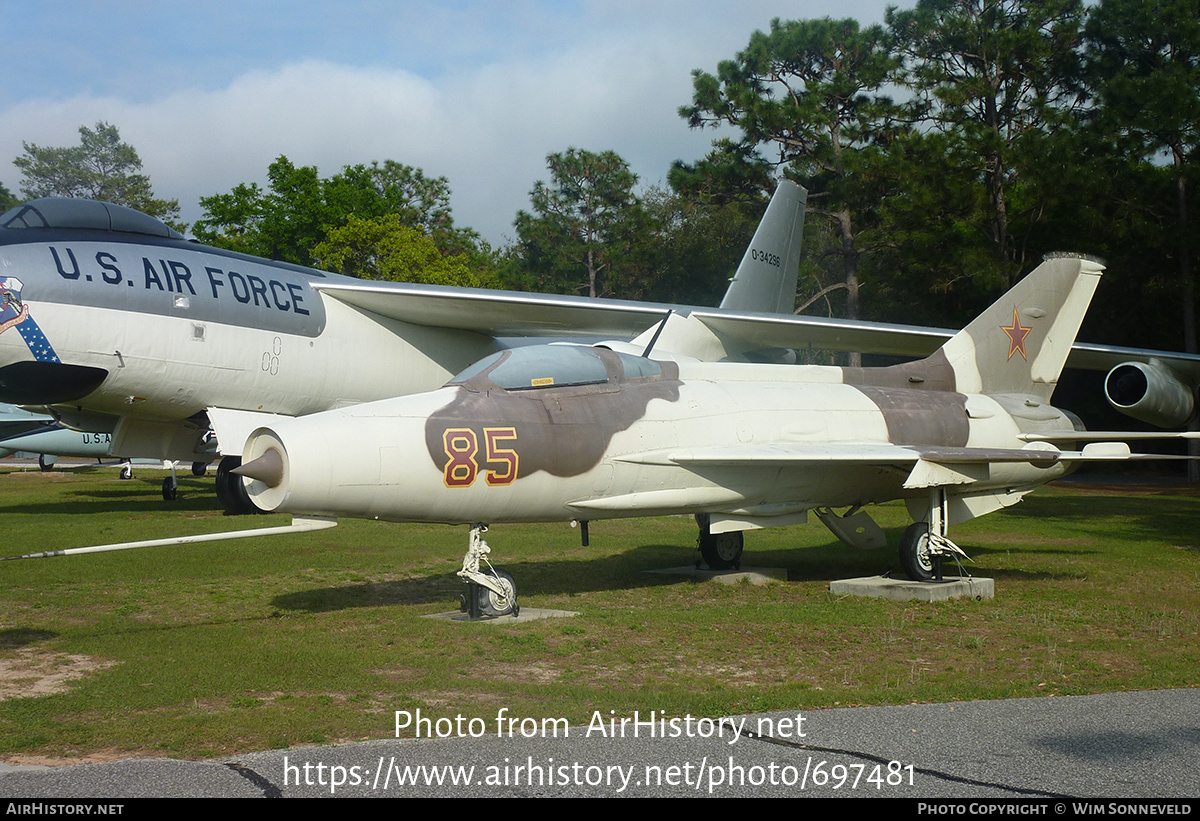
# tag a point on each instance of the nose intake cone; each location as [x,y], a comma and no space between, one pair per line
[267,468]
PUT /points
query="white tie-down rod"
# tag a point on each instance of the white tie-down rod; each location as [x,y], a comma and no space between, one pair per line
[300,524]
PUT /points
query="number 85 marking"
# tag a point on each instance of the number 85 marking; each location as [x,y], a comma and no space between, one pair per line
[462,446]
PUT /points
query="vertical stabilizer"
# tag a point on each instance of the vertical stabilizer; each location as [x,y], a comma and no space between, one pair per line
[766,278]
[1020,343]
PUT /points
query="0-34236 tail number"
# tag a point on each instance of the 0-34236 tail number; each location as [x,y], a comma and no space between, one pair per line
[764,256]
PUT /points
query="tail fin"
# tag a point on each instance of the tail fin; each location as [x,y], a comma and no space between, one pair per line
[1020,343]
[765,280]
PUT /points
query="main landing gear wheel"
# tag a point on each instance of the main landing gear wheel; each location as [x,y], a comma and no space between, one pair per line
[45,465]
[925,545]
[199,468]
[914,553]
[492,603]
[170,490]
[126,470]
[722,551]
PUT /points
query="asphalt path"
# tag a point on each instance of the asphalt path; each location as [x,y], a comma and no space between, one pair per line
[1054,749]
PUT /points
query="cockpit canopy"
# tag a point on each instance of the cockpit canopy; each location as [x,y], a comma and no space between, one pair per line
[546,366]
[63,212]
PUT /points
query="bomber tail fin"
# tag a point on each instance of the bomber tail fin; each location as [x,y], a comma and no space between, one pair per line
[1020,343]
[765,280]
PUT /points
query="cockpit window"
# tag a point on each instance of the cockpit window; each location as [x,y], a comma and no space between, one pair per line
[539,366]
[544,366]
[59,212]
[555,366]
[479,367]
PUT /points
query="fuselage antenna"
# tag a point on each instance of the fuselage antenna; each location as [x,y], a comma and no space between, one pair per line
[657,331]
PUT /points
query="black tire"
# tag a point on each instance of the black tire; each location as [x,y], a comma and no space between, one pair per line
[231,490]
[126,471]
[492,603]
[914,552]
[170,490]
[722,551]
[199,468]
[43,465]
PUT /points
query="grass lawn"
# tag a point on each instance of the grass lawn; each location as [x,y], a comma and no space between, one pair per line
[215,649]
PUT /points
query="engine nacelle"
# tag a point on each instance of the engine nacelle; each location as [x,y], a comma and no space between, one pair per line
[1149,392]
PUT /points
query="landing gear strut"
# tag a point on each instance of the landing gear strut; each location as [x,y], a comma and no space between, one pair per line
[924,544]
[490,592]
[170,486]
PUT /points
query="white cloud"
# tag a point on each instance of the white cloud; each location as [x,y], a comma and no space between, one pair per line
[614,79]
[488,131]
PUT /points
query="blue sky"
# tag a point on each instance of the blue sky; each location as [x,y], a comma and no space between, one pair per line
[478,92]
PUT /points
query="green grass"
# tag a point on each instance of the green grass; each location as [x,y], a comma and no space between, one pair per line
[215,649]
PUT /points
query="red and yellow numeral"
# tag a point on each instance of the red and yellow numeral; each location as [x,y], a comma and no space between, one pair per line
[462,447]
[495,453]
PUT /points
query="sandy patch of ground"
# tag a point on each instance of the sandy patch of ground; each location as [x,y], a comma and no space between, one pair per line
[33,672]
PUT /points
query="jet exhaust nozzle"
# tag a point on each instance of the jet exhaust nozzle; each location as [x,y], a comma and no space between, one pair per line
[1149,392]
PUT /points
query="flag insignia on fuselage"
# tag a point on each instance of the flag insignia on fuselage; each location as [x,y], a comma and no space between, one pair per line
[15,313]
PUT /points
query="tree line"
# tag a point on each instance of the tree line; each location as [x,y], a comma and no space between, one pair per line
[945,152]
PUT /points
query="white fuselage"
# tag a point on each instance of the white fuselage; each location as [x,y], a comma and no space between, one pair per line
[381,460]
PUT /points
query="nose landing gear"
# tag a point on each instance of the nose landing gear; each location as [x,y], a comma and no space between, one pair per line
[490,592]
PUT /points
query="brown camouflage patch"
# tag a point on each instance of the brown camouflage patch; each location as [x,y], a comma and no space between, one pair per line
[922,417]
[917,400]
[564,431]
[934,373]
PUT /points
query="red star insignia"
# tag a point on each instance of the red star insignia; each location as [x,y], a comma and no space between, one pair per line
[1016,336]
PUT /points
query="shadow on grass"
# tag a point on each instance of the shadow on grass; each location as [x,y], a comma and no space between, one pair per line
[629,570]
[554,577]
[1145,514]
[131,497]
[14,637]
